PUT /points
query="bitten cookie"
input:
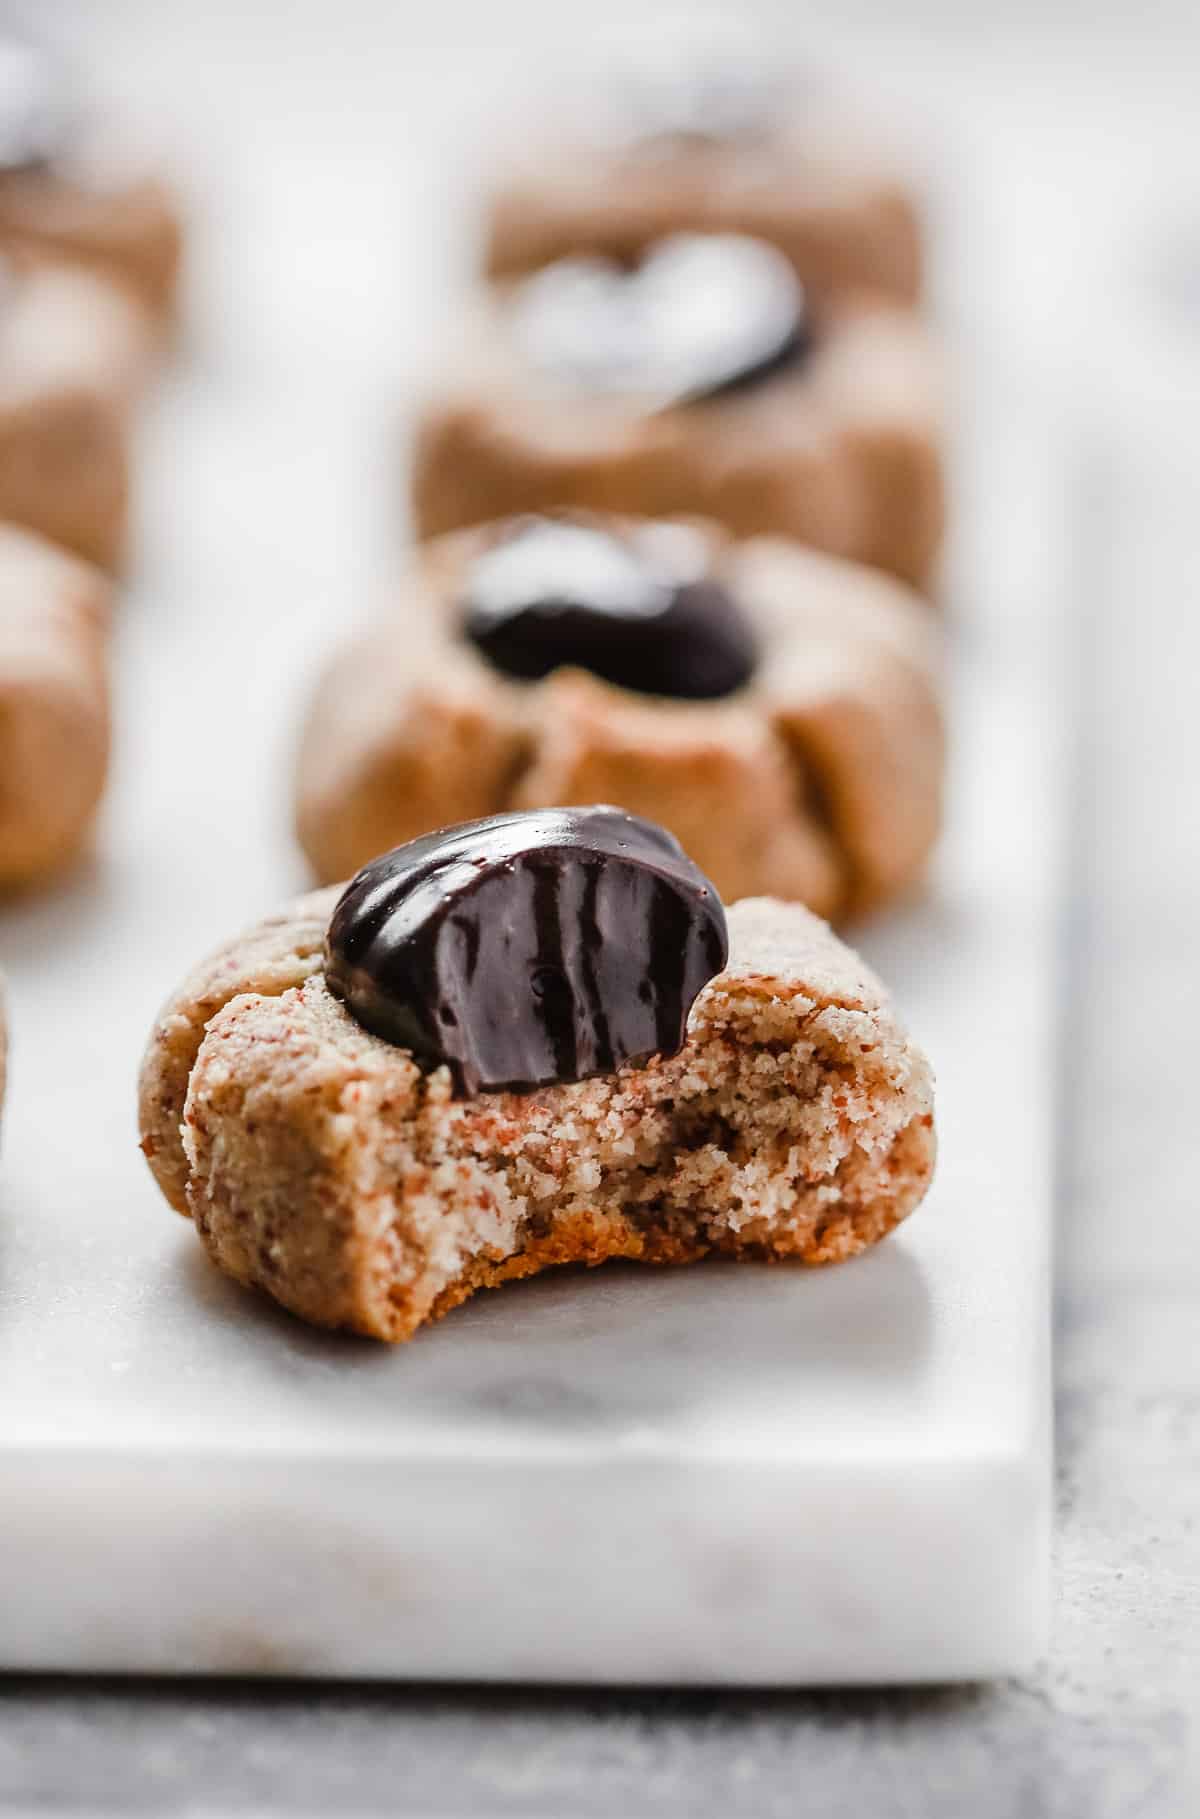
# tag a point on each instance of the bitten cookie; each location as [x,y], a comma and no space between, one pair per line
[54,703]
[778,709]
[358,1182]
[72,353]
[717,140]
[71,188]
[701,377]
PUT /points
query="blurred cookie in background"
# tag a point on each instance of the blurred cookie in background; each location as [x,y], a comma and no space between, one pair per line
[700,376]
[705,127]
[54,704]
[72,359]
[778,710]
[74,184]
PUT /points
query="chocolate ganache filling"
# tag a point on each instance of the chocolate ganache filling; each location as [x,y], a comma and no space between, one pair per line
[700,316]
[637,608]
[529,949]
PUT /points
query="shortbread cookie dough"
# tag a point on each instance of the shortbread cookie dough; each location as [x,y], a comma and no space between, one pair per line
[73,188]
[692,382]
[324,1165]
[709,154]
[54,704]
[72,352]
[816,775]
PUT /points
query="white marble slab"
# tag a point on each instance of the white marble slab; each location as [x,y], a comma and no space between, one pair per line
[723,1475]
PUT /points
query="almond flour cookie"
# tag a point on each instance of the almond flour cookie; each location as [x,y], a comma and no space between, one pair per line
[72,352]
[70,189]
[706,137]
[54,704]
[777,709]
[700,377]
[372,1182]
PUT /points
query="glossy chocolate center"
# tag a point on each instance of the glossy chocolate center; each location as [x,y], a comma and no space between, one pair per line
[35,111]
[639,610]
[529,949]
[701,315]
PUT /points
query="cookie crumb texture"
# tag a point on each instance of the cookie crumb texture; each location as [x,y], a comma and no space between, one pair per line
[321,1164]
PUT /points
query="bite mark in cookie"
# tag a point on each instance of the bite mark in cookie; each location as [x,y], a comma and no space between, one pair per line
[328,1167]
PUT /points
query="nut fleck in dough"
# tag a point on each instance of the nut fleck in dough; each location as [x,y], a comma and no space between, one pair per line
[841,451]
[321,1164]
[828,194]
[820,780]
[54,703]
[73,352]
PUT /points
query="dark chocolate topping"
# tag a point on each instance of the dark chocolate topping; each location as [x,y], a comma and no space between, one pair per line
[529,949]
[36,110]
[701,315]
[637,609]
